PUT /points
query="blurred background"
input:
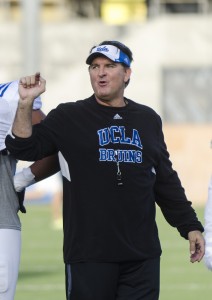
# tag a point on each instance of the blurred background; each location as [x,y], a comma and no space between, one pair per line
[172,72]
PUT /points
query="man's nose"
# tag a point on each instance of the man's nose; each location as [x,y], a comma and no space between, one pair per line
[102,71]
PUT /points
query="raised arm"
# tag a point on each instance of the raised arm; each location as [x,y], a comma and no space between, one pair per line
[40,169]
[30,87]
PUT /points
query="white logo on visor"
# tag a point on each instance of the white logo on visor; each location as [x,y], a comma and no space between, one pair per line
[102,49]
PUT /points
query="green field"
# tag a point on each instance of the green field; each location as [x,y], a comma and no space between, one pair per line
[42,269]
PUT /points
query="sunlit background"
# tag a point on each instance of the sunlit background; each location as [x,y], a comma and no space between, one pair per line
[172,69]
[172,72]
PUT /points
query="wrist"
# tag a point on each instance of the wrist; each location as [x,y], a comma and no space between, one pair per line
[28,175]
[23,179]
[25,102]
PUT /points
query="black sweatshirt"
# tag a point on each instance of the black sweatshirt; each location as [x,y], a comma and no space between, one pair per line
[115,167]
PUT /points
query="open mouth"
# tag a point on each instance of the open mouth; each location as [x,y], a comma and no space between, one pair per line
[102,83]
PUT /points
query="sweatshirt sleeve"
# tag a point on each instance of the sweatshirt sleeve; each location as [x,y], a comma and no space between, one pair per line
[170,195]
[41,143]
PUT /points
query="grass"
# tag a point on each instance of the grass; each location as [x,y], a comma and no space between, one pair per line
[181,279]
[41,273]
[42,269]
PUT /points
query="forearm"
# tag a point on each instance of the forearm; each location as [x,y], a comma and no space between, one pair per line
[46,167]
[178,211]
[38,171]
[22,125]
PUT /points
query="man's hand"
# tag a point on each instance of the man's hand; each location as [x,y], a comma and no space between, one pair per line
[30,87]
[197,245]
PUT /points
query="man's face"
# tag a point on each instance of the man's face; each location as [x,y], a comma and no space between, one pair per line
[108,79]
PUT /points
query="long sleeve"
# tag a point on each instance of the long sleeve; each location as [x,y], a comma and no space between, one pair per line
[171,197]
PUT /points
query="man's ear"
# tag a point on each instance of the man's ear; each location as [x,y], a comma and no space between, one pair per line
[128,74]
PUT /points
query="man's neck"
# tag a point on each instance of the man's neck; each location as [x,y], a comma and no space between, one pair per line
[112,103]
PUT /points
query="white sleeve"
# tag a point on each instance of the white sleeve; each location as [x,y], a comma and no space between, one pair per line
[23,179]
[37,104]
[208,228]
[10,92]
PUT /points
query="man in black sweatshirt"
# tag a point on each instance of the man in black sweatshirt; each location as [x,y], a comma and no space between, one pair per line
[115,168]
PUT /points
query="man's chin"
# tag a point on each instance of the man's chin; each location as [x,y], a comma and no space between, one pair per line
[103,97]
[103,100]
